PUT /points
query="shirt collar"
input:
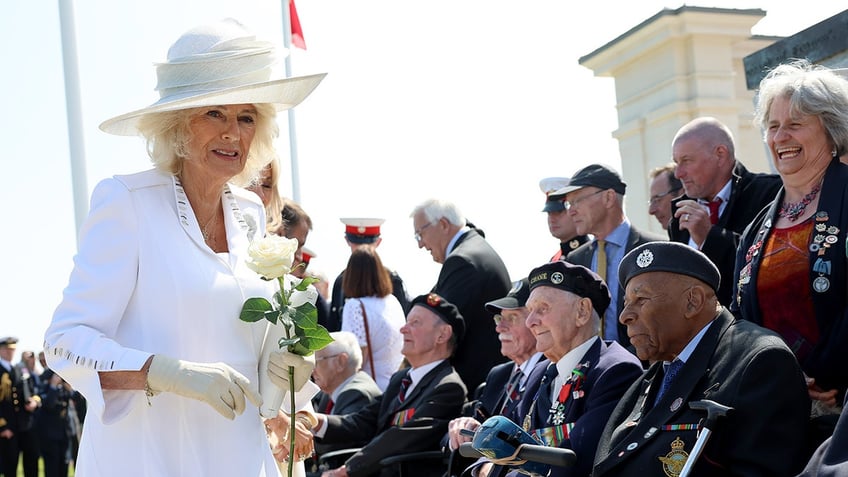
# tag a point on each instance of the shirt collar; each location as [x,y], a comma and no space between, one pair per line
[690,347]
[618,236]
[335,395]
[571,359]
[416,374]
[455,238]
[723,194]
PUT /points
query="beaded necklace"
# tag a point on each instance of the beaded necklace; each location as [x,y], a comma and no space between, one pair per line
[793,210]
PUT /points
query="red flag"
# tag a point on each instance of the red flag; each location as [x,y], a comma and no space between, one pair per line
[296,31]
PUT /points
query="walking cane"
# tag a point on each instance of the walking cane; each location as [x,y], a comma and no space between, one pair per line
[714,411]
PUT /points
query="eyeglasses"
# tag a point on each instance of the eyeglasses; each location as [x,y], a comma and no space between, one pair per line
[418,232]
[505,320]
[321,358]
[572,203]
[657,197]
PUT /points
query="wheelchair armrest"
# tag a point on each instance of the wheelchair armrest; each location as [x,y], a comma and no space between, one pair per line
[337,454]
[413,456]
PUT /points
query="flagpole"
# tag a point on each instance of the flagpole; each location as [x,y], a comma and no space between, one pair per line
[74,112]
[295,168]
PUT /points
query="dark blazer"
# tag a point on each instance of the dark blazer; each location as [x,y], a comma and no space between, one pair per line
[473,274]
[434,401]
[737,364]
[583,256]
[831,458]
[569,246]
[15,392]
[492,397]
[749,193]
[827,360]
[609,371]
[357,393]
[337,299]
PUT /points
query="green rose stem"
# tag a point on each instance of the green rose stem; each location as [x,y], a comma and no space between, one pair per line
[284,305]
[309,336]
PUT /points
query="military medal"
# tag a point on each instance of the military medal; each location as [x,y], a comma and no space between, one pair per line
[673,462]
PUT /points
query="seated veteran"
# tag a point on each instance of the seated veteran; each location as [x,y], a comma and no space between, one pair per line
[570,397]
[506,382]
[345,388]
[700,352]
[413,413]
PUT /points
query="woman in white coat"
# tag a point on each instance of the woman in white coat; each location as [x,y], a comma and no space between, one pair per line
[148,328]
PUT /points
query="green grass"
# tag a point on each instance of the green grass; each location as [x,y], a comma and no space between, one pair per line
[40,469]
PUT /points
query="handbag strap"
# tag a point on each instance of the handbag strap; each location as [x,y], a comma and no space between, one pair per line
[368,339]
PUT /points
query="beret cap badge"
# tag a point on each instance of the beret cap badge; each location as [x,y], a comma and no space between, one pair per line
[557,278]
[645,258]
[433,299]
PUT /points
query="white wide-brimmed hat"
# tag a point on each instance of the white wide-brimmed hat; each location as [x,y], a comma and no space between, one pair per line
[218,64]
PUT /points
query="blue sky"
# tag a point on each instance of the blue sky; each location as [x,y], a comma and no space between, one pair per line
[471,101]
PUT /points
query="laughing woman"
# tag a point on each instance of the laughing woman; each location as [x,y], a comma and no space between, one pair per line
[148,327]
[791,264]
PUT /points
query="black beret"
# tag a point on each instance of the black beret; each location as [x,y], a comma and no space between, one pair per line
[672,257]
[445,310]
[572,278]
[516,298]
[595,175]
[8,341]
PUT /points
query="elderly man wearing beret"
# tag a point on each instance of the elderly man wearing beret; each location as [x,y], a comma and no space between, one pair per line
[700,352]
[413,413]
[570,395]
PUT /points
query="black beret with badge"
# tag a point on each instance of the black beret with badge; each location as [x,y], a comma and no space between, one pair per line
[672,257]
[445,310]
[572,278]
[516,298]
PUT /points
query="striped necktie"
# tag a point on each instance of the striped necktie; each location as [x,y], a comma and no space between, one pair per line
[404,385]
[513,388]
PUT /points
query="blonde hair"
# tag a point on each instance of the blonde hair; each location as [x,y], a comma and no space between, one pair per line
[167,135]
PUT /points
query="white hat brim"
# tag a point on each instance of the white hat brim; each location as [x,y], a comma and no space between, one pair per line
[284,93]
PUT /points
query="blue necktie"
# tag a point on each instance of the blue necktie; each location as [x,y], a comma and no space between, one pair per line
[670,374]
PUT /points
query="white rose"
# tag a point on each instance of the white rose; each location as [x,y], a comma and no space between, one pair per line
[271,256]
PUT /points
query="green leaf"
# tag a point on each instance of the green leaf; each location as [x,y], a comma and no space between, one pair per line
[304,284]
[254,309]
[306,316]
[314,338]
[299,349]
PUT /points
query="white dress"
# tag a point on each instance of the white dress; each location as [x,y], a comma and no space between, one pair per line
[385,318]
[144,282]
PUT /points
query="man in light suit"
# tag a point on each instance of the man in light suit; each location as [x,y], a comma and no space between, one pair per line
[699,351]
[413,414]
[595,200]
[345,388]
[472,274]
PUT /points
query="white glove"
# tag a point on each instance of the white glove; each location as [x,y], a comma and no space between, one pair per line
[216,384]
[278,369]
